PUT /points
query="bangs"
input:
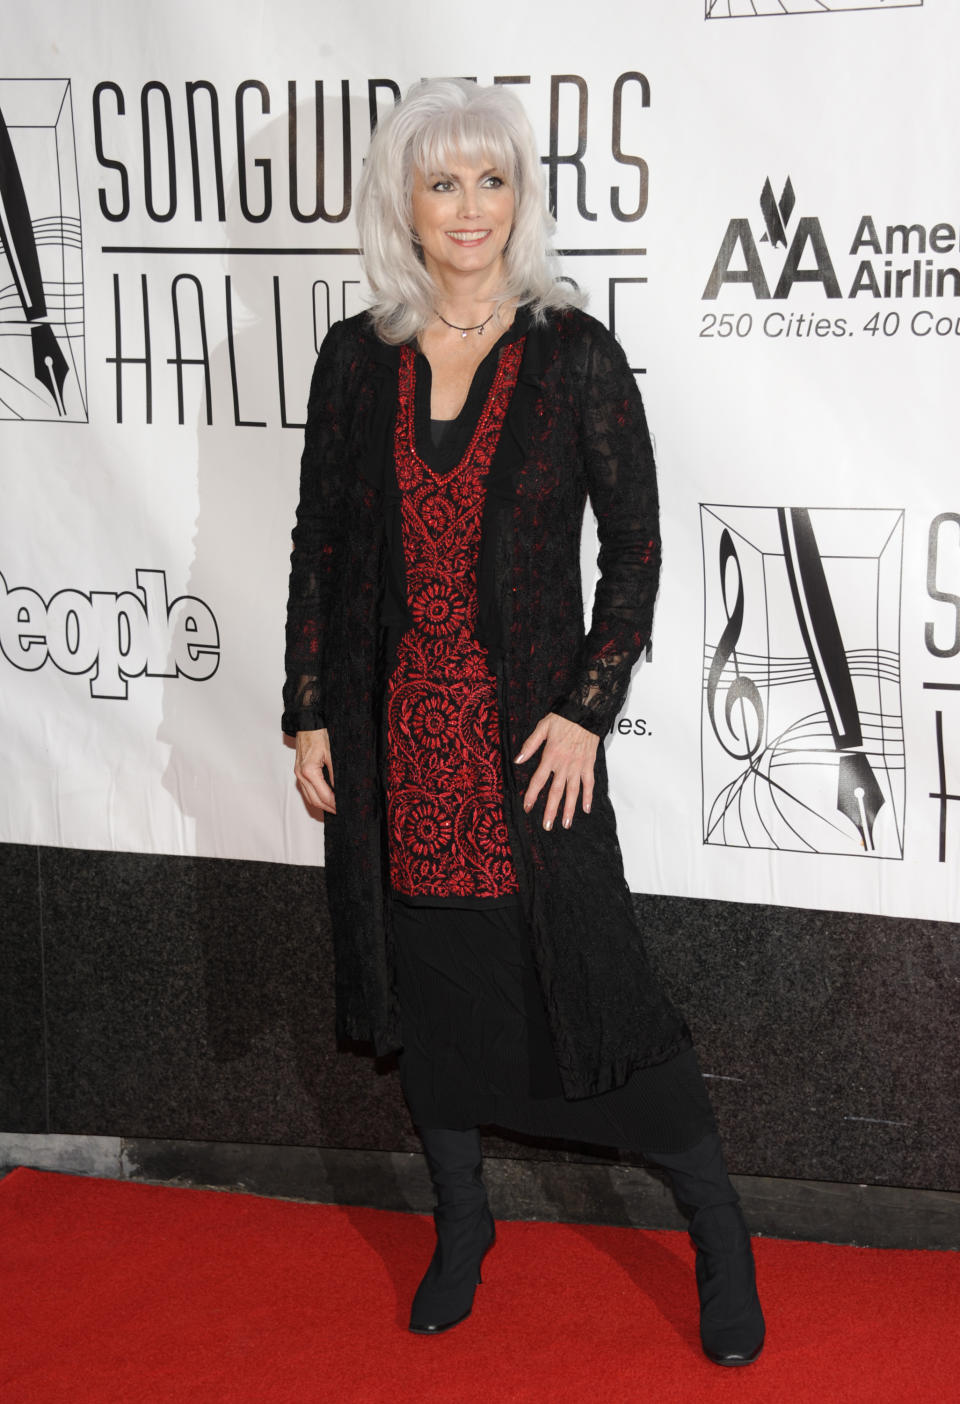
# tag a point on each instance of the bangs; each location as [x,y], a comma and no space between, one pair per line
[465,136]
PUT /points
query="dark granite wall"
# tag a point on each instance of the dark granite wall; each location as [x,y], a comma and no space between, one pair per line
[185,998]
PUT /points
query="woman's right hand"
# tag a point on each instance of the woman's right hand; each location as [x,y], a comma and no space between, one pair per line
[313,758]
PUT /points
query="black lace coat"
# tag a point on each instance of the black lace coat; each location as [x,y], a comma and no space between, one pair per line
[575,427]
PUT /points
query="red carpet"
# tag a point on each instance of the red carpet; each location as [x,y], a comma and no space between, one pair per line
[119,1293]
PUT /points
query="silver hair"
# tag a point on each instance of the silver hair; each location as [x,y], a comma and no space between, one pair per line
[439,120]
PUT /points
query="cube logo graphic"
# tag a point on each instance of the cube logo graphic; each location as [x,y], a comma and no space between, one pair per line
[42,366]
[802,729]
[749,9]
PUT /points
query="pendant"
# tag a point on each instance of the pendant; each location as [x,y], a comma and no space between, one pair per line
[480,330]
[463,335]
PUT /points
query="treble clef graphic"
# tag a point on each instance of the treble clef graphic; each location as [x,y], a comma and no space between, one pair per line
[859,796]
[743,690]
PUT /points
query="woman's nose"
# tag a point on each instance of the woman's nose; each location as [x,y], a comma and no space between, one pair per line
[469,205]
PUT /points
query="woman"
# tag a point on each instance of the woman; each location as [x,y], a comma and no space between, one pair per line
[437,661]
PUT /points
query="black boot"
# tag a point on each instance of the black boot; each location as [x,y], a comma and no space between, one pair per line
[731,1321]
[465,1231]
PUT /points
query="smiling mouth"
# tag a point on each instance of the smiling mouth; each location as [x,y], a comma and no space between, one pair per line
[471,236]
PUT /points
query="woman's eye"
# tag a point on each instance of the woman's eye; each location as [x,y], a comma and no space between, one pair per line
[442,186]
[494,182]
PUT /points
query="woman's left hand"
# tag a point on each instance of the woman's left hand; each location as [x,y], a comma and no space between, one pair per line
[568,755]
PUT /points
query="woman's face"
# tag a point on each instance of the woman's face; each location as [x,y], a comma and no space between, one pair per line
[463,216]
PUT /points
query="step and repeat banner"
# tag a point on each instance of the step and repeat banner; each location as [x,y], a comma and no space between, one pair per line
[762,199]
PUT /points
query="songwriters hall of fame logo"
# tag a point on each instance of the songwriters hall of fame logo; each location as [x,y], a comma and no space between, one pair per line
[748,9]
[802,732]
[42,372]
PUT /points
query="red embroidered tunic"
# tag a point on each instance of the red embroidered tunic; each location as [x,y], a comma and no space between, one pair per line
[445,820]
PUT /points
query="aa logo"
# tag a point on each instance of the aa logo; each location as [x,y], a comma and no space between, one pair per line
[806,258]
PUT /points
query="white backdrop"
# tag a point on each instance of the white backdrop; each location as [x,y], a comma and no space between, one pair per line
[767,206]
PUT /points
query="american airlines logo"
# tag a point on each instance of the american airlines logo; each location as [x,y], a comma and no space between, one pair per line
[806,256]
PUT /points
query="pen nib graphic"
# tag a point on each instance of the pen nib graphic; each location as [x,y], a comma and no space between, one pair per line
[20,245]
[859,796]
[49,364]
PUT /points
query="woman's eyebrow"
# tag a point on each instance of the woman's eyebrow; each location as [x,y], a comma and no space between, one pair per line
[455,175]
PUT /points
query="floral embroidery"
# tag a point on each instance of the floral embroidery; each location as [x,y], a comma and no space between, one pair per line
[438,609]
[445,818]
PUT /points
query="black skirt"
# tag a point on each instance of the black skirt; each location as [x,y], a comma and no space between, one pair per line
[477,1048]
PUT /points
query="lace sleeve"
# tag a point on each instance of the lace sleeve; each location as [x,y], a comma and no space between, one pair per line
[622,486]
[316,543]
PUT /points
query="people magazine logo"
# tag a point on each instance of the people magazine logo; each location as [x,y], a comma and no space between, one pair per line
[110,636]
[853,275]
[756,9]
[42,370]
[802,728]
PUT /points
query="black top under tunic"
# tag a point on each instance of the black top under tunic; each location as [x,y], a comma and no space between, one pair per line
[476,1043]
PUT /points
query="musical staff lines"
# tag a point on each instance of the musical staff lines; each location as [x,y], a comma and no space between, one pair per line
[784,672]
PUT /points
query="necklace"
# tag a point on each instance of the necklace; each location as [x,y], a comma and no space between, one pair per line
[463,330]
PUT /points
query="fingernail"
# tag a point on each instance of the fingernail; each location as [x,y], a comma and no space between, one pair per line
[566,823]
[548,824]
[518,758]
[586,809]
